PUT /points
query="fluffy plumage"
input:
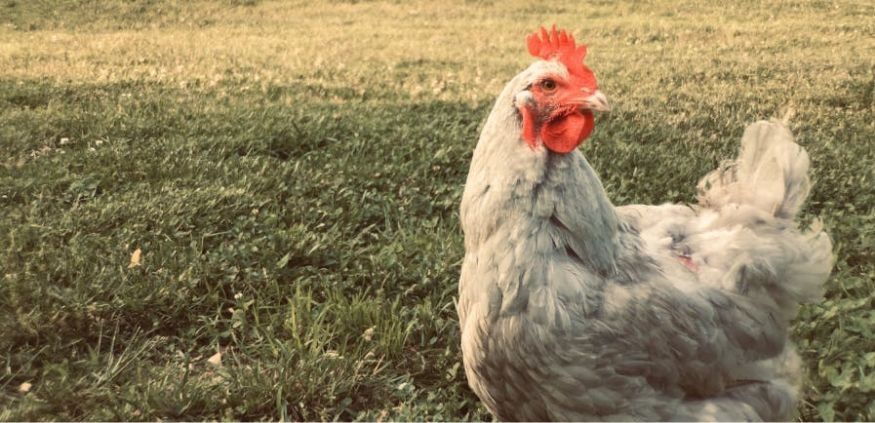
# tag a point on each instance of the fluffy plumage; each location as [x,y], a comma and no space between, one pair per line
[573,309]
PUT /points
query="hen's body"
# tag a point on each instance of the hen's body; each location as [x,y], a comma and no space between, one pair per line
[572,309]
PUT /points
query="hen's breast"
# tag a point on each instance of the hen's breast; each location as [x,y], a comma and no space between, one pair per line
[521,293]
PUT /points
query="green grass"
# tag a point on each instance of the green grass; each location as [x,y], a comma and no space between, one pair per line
[291,173]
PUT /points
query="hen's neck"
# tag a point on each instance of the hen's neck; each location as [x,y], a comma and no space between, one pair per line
[512,187]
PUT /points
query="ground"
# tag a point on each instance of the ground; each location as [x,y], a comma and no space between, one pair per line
[248,209]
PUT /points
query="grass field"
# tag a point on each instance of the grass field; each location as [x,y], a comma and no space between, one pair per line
[290,174]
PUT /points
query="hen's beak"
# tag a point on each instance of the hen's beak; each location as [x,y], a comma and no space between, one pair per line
[597,101]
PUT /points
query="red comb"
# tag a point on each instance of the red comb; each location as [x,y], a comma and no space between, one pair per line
[558,44]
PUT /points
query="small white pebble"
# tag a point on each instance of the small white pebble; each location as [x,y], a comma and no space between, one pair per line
[25,387]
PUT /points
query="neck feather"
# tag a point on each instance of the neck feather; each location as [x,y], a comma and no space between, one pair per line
[513,187]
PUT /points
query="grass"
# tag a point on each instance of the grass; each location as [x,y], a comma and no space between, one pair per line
[291,173]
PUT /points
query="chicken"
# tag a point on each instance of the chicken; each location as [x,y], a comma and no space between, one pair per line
[574,309]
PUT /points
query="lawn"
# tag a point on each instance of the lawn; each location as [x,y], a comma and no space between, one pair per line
[248,210]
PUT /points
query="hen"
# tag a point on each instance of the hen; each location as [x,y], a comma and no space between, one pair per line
[574,309]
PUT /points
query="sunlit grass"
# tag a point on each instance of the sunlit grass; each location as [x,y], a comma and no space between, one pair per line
[291,172]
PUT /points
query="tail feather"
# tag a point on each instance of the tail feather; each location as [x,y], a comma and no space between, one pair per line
[749,238]
[771,173]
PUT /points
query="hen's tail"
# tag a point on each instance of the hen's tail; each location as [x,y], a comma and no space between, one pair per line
[751,235]
[771,173]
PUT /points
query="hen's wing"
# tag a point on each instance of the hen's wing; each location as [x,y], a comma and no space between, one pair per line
[741,243]
[651,345]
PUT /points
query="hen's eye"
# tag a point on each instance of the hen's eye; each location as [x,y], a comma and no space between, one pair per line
[548,85]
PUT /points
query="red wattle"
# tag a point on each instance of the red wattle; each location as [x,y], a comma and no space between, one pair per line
[564,134]
[528,126]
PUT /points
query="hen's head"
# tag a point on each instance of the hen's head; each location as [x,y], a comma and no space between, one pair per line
[559,93]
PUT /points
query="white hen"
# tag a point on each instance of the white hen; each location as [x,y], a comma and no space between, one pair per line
[573,309]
